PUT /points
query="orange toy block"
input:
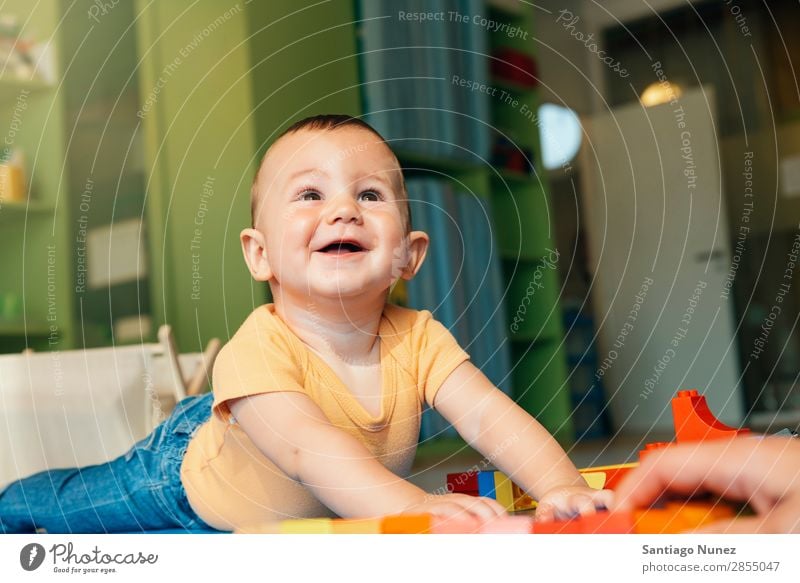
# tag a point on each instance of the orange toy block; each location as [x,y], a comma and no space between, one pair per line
[407,524]
[678,517]
[522,501]
[694,421]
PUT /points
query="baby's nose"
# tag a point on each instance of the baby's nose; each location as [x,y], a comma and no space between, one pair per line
[344,209]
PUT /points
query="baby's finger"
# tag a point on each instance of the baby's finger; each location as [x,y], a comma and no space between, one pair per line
[544,513]
[603,499]
[480,508]
[447,509]
[582,504]
[497,508]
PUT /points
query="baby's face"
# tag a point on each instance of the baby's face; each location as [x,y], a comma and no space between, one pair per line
[329,210]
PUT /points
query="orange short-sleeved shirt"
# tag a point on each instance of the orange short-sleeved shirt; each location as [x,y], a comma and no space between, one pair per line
[231,484]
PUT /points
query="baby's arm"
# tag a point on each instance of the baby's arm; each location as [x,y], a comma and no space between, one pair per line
[516,443]
[293,432]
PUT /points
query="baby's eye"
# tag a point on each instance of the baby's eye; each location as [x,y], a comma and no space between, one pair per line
[310,195]
[370,195]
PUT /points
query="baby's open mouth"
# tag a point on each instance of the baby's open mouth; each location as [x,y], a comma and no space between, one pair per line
[341,248]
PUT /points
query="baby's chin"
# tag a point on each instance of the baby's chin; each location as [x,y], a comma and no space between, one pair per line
[343,287]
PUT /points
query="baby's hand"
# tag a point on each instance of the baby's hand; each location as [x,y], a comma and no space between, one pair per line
[456,504]
[569,501]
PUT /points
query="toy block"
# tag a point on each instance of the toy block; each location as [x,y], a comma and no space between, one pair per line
[407,524]
[522,501]
[678,517]
[694,421]
[508,525]
[557,527]
[486,486]
[604,522]
[504,491]
[596,480]
[357,526]
[455,525]
[463,483]
[612,475]
[650,447]
[306,526]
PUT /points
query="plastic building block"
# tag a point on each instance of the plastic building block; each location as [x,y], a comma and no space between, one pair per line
[678,517]
[486,486]
[508,525]
[522,501]
[611,475]
[463,483]
[694,421]
[357,526]
[407,524]
[455,525]
[491,484]
[653,447]
[557,527]
[596,480]
[603,522]
[503,488]
[306,526]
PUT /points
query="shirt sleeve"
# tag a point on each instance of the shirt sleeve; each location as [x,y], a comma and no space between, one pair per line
[252,365]
[439,354]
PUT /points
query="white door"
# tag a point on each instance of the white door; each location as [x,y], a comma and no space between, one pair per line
[660,257]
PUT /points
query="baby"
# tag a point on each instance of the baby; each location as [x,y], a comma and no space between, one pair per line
[317,398]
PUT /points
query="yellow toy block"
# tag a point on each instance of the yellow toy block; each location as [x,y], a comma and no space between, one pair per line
[512,497]
[595,480]
[357,526]
[503,491]
[307,526]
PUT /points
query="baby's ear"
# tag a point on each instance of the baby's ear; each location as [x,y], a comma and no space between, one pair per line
[254,248]
[418,242]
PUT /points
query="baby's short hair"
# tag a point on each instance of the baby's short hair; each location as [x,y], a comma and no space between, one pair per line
[326,122]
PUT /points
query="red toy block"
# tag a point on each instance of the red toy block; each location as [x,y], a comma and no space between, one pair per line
[463,483]
[455,525]
[604,522]
[694,421]
[508,525]
[557,527]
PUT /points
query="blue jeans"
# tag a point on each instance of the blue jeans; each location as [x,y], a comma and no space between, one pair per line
[139,491]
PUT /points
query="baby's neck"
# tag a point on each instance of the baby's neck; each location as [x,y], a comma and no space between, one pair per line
[343,331]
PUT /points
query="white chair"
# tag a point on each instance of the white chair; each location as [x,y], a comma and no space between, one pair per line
[81,407]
